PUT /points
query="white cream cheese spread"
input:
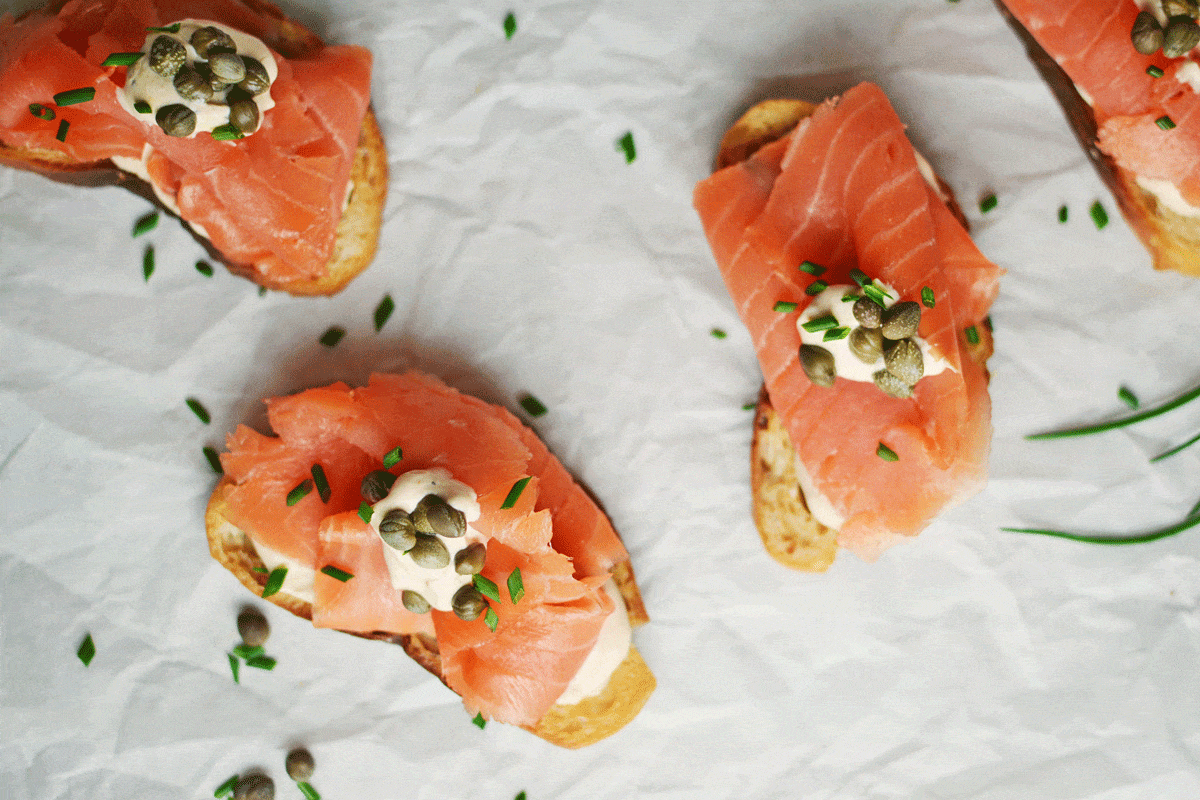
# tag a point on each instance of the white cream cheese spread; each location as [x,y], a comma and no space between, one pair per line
[607,654]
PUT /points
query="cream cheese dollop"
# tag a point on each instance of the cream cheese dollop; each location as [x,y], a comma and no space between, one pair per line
[612,645]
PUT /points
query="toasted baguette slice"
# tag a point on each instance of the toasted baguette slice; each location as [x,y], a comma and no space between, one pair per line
[790,533]
[572,726]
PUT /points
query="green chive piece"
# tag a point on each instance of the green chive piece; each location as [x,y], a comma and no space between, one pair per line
[1099,215]
[262,291]
[824,323]
[199,410]
[749,406]
[849,297]
[261,662]
[259,570]
[886,453]
[717,333]
[41,112]
[336,574]
[1186,397]
[533,407]
[1190,521]
[142,107]
[173,28]
[1062,214]
[227,133]
[87,650]
[516,586]
[1128,397]
[332,336]
[479,721]
[148,262]
[927,298]
[514,493]
[785,306]
[214,460]
[510,25]
[815,288]
[859,277]
[486,586]
[235,667]
[247,652]
[972,334]
[121,59]
[321,482]
[383,311]
[63,127]
[520,796]
[392,457]
[274,581]
[1164,122]
[876,295]
[625,144]
[73,96]
[1195,510]
[308,791]
[491,620]
[204,268]
[226,787]
[299,492]
[835,334]
[1176,449]
[145,224]
[816,270]
[365,512]
[1154,72]
[988,203]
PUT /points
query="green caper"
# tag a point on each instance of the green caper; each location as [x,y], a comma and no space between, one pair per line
[435,515]
[414,602]
[252,627]
[256,81]
[901,320]
[243,115]
[227,67]
[211,40]
[904,360]
[469,560]
[818,364]
[1182,34]
[397,530]
[867,345]
[176,120]
[167,55]
[1173,8]
[867,312]
[890,385]
[299,764]
[468,603]
[429,552]
[191,85]
[376,485]
[1147,34]
[254,787]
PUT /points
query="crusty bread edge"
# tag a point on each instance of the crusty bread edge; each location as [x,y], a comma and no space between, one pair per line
[571,726]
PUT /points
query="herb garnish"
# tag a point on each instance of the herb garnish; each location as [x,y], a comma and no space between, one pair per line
[988,203]
[927,298]
[321,482]
[1190,521]
[520,795]
[879,296]
[87,650]
[142,107]
[274,581]
[625,144]
[516,586]
[533,407]
[235,667]
[486,586]
[1186,397]
[227,133]
[261,662]
[717,333]
[392,457]
[299,492]
[1062,214]
[514,493]
[63,127]
[811,268]
[490,619]
[784,306]
[1165,122]
[365,512]
[886,453]
[214,460]
[41,112]
[226,787]
[835,334]
[815,288]
[73,96]
[1176,449]
[479,721]
[204,268]
[1154,72]
[121,59]
[972,334]
[336,574]
[172,28]
[145,224]
[383,311]
[820,324]
[199,410]
[1128,397]
[247,652]
[510,25]
[859,277]
[148,262]
[307,789]
[332,336]
[1099,215]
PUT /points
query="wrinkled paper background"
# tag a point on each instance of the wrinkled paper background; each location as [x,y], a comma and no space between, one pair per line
[525,255]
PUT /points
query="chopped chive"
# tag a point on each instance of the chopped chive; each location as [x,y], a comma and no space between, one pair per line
[274,581]
[479,721]
[1186,397]
[927,298]
[383,311]
[41,112]
[336,574]
[533,407]
[392,457]
[514,493]
[226,787]
[1062,214]
[520,796]
[332,336]
[262,291]
[812,269]
[259,570]
[321,482]
[227,133]
[299,492]
[1128,397]
[1176,449]
[486,586]
[886,453]
[214,460]
[491,620]
[204,268]
[172,28]
[510,25]
[815,288]
[849,297]
[820,324]
[145,224]
[148,262]
[785,306]
[1165,122]
[73,96]
[749,406]
[247,652]
[121,59]
[63,127]
[876,295]
[516,586]
[199,410]
[972,334]
[235,667]
[307,790]
[1099,215]
[1195,510]
[1154,72]
[988,203]
[835,334]
[87,650]
[365,512]
[717,333]
[1190,521]
[142,107]
[859,277]
[261,662]
[625,144]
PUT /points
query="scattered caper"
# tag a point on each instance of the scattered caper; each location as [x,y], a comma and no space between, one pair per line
[429,552]
[867,312]
[435,515]
[176,120]
[252,627]
[191,85]
[1174,8]
[166,56]
[890,385]
[1182,34]
[1147,34]
[468,603]
[414,602]
[227,67]
[256,81]
[904,360]
[901,320]
[254,787]
[299,764]
[376,485]
[867,345]
[211,40]
[818,364]
[469,560]
[243,115]
[397,530]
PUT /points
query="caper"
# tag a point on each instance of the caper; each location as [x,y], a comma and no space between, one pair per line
[414,602]
[468,603]
[429,552]
[904,360]
[176,120]
[1174,8]
[299,764]
[243,115]
[376,485]
[1147,34]
[252,627]
[818,364]
[867,312]
[211,40]
[1182,35]
[166,56]
[191,85]
[227,67]
[890,385]
[435,515]
[397,530]
[867,345]
[469,560]
[254,787]
[901,320]
[256,81]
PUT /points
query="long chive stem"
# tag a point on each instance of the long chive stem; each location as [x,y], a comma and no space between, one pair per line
[1170,405]
[1190,521]
[1176,449]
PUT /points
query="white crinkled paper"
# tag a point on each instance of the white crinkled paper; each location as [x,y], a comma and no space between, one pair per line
[524,255]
